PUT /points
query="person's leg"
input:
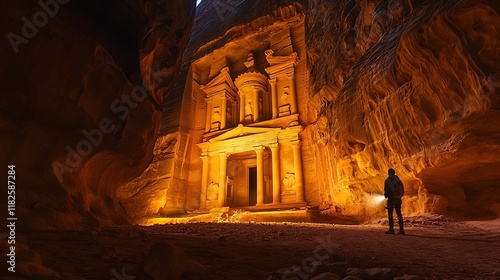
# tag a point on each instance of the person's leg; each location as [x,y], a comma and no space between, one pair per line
[390,210]
[397,206]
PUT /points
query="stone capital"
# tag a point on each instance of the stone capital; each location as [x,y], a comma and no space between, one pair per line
[295,143]
[223,155]
[205,157]
[255,88]
[259,148]
[274,146]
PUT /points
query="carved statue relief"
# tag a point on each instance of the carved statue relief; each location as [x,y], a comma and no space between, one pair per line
[284,108]
[284,98]
[216,114]
[248,107]
[213,191]
[289,180]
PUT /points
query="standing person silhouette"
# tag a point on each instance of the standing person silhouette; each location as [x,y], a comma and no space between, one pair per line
[391,186]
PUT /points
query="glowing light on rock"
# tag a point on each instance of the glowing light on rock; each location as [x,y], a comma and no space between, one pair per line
[378,198]
[375,200]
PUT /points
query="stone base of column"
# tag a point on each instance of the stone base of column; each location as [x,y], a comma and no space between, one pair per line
[171,211]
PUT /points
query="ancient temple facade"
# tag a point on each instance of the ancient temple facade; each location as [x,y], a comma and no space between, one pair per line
[250,162]
[247,104]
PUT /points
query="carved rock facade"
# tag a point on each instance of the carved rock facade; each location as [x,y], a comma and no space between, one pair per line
[378,84]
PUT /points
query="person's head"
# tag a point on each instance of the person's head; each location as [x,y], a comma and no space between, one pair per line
[391,172]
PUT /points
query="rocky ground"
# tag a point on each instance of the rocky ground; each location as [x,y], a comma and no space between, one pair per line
[433,248]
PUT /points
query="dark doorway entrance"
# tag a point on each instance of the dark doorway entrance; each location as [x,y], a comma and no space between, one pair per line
[252,186]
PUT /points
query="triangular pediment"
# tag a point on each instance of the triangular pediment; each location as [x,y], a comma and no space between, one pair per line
[241,130]
[281,65]
[222,80]
[293,59]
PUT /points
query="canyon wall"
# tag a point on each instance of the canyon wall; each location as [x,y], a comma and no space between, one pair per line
[406,84]
[82,88]
[411,85]
[163,187]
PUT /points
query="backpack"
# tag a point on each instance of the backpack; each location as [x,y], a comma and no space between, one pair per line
[399,190]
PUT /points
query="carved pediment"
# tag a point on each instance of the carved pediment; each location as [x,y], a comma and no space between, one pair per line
[241,130]
[223,81]
[281,65]
[292,59]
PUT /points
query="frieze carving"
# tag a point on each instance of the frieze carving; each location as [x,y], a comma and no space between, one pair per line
[239,146]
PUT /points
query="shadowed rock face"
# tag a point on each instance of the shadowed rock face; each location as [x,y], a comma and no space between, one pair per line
[74,122]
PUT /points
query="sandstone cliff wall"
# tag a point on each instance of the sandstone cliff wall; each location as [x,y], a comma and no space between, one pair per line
[406,84]
[411,85]
[165,184]
[72,119]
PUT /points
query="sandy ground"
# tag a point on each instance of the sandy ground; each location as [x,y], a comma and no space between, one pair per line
[432,248]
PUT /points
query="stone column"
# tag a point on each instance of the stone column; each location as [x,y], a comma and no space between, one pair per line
[242,107]
[222,179]
[293,94]
[204,182]
[260,174]
[209,115]
[276,173]
[223,114]
[297,161]
[274,98]
[256,104]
